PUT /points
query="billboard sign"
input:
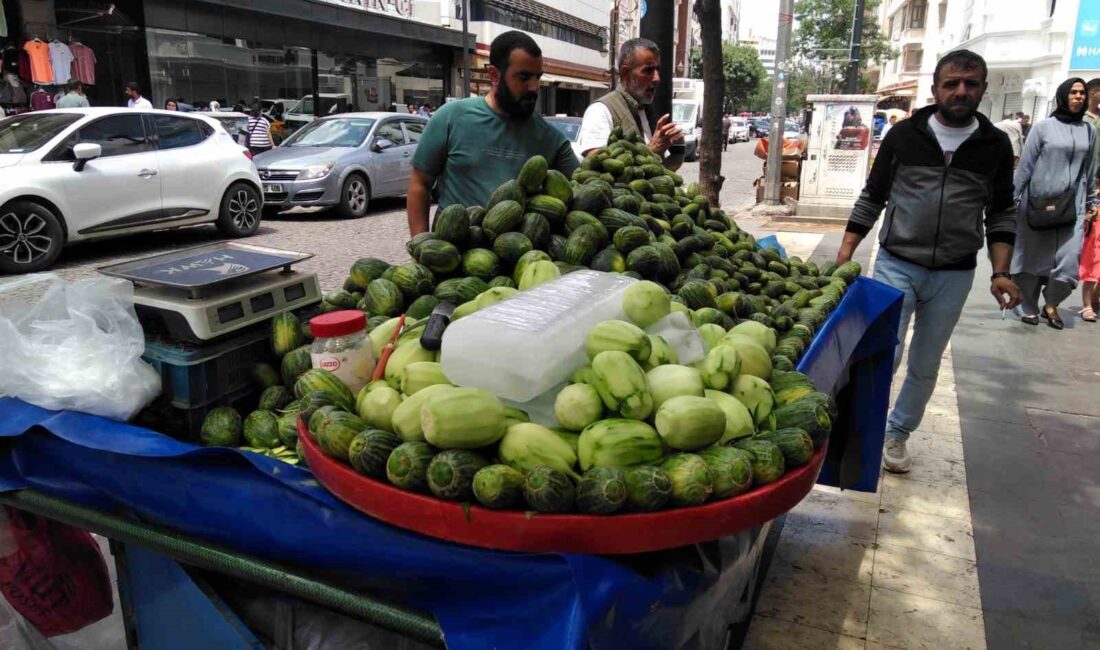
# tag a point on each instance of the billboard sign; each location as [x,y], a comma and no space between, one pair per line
[1086,37]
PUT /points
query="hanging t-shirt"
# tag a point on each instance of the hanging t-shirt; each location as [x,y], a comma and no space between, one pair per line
[951,137]
[41,69]
[41,101]
[83,63]
[61,60]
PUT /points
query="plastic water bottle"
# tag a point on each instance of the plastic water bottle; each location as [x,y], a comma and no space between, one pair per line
[522,347]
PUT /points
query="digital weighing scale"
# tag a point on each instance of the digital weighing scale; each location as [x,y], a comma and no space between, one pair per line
[202,293]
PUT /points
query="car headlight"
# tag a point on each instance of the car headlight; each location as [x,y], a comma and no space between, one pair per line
[315,171]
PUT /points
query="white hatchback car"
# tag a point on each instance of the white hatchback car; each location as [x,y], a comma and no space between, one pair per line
[80,174]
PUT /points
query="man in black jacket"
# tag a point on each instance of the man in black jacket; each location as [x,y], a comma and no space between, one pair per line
[944,177]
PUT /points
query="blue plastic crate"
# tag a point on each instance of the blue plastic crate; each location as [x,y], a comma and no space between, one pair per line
[197,375]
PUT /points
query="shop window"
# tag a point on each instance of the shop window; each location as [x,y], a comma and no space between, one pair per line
[118,135]
[176,132]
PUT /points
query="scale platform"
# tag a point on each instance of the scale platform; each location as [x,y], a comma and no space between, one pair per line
[202,293]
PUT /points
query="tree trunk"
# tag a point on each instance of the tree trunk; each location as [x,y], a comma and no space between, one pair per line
[709,14]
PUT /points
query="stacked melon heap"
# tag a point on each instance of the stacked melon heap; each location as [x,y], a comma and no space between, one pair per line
[635,430]
[622,212]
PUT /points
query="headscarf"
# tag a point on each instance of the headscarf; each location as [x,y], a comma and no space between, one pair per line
[1062,112]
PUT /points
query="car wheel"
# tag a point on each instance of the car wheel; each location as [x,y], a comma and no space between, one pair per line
[240,211]
[31,237]
[354,197]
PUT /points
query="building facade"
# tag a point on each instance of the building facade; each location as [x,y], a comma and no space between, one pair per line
[765,47]
[1030,46]
[574,36]
[352,54]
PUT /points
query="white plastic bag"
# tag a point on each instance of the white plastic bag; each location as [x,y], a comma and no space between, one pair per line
[74,346]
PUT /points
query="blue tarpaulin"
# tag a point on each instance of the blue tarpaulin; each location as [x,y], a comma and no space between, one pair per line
[481,598]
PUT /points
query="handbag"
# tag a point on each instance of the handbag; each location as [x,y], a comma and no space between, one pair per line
[1057,210]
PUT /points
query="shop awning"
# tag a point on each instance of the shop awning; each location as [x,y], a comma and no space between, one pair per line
[548,78]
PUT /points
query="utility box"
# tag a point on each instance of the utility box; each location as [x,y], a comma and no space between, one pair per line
[838,155]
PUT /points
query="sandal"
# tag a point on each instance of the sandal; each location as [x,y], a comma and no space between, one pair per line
[1088,314]
[1050,313]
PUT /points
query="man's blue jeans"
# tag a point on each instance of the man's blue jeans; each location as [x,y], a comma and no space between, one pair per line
[934,301]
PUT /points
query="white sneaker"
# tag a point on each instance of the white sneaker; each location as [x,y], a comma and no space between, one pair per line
[894,456]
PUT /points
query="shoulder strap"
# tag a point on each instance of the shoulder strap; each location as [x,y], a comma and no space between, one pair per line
[1088,155]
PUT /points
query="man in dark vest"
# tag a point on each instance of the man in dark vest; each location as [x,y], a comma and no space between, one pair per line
[639,76]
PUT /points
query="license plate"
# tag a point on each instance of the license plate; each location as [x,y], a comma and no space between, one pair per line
[272,188]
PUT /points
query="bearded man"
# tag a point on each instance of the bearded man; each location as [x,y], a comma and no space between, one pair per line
[472,146]
[624,107]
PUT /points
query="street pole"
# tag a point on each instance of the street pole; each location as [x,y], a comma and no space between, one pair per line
[613,45]
[772,189]
[465,48]
[851,85]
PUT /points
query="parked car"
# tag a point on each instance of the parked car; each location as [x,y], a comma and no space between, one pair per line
[759,127]
[235,124]
[300,113]
[570,127]
[739,129]
[343,161]
[80,174]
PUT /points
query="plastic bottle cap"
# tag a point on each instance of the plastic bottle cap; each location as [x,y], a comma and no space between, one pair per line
[338,323]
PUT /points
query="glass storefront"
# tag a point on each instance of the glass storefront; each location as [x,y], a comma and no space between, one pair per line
[201,69]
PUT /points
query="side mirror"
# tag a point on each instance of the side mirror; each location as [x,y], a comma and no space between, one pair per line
[84,152]
[381,144]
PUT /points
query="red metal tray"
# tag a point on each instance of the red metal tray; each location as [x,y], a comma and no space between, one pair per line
[513,530]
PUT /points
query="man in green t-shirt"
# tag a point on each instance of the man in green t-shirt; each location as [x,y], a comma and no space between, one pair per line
[474,145]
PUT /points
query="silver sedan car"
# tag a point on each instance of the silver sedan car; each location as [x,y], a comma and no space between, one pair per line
[343,161]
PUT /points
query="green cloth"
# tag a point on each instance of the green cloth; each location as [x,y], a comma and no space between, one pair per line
[73,100]
[471,149]
[624,110]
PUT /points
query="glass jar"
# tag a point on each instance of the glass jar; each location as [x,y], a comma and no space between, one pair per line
[340,345]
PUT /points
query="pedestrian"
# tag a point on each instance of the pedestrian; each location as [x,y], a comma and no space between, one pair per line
[639,76]
[889,125]
[74,96]
[1011,127]
[1025,123]
[171,105]
[278,124]
[134,99]
[727,124]
[473,145]
[258,137]
[1092,110]
[214,106]
[1056,191]
[929,246]
[411,108]
[183,106]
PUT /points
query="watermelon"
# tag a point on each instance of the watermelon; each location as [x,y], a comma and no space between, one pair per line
[366,269]
[508,191]
[558,186]
[407,465]
[475,213]
[286,333]
[265,375]
[221,427]
[273,398]
[317,379]
[481,263]
[422,307]
[532,174]
[504,217]
[337,431]
[384,298]
[440,256]
[536,228]
[452,224]
[295,364]
[451,474]
[369,451]
[261,429]
[414,280]
[510,246]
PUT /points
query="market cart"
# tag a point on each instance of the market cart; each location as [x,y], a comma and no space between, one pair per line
[262,521]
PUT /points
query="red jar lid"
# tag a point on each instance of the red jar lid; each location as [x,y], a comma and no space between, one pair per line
[338,323]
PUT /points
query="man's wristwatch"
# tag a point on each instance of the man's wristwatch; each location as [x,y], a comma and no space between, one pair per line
[999,274]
